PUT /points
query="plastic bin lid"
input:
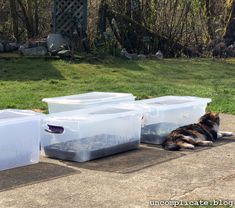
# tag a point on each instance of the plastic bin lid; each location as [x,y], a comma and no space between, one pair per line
[98,113]
[89,98]
[174,101]
[14,114]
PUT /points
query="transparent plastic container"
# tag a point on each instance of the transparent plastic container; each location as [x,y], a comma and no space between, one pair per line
[164,114]
[81,101]
[19,138]
[88,134]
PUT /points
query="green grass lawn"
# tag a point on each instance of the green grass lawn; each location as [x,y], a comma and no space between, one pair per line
[24,82]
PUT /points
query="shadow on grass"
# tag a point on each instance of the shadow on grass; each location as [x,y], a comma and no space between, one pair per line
[28,70]
[32,174]
[111,63]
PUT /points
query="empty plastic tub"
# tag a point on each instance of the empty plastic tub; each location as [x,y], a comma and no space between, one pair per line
[92,133]
[19,138]
[76,102]
[164,114]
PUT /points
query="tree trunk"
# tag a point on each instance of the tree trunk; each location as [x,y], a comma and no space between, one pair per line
[128,8]
[210,14]
[15,23]
[137,11]
[27,18]
[30,17]
[36,17]
[102,19]
[229,36]
[131,33]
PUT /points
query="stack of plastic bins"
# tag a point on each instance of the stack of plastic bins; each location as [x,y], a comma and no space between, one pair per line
[81,101]
[19,138]
[84,135]
[168,113]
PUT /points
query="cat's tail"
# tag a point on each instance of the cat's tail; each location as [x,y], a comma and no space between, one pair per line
[170,145]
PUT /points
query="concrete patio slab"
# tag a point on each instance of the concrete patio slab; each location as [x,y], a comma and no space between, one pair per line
[128,180]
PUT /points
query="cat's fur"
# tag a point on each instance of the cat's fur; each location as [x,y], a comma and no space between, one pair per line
[203,133]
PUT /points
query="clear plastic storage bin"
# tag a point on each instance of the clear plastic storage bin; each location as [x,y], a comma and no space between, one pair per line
[81,101]
[92,133]
[19,138]
[164,114]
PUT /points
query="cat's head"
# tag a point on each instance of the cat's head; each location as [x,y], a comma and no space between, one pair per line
[211,120]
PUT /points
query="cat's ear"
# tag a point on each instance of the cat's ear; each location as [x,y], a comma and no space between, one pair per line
[216,114]
[208,111]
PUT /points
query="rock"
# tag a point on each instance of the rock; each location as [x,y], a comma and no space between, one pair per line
[142,56]
[55,42]
[125,54]
[159,55]
[219,50]
[134,56]
[36,51]
[22,47]
[230,50]
[10,47]
[33,44]
[37,43]
[1,47]
[65,54]
[131,56]
[213,43]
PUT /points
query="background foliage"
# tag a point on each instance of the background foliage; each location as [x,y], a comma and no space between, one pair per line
[193,23]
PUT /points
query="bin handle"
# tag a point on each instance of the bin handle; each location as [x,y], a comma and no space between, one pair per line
[55,129]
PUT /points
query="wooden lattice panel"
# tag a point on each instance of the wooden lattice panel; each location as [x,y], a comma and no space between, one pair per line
[67,13]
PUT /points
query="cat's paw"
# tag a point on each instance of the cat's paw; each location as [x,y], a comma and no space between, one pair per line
[206,143]
[228,134]
[225,134]
[219,135]
[190,147]
[210,144]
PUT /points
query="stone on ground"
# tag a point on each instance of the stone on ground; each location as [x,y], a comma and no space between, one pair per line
[37,51]
[56,42]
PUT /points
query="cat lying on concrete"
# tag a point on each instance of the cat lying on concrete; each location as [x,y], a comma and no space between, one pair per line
[203,133]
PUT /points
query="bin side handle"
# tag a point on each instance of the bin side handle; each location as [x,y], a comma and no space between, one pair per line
[55,129]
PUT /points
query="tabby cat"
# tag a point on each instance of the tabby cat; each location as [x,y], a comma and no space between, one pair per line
[203,133]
